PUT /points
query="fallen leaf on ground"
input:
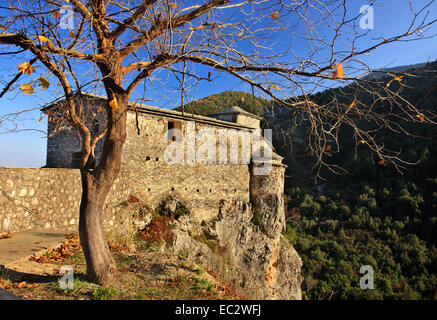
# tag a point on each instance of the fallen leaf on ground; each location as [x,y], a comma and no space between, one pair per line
[69,247]
[4,285]
[133,199]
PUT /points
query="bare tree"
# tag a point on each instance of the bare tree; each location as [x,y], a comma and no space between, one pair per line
[125,48]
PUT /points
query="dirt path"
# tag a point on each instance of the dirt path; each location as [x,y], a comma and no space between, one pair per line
[16,250]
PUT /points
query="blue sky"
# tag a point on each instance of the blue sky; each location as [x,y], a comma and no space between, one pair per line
[28,148]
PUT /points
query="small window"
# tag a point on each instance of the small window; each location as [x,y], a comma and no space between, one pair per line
[172,126]
[75,159]
[95,128]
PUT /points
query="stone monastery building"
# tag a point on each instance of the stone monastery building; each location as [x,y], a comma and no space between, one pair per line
[205,162]
[217,154]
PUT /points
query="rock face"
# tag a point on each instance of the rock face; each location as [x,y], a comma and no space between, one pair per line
[244,244]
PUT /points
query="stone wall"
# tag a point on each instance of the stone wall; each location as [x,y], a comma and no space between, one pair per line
[63,144]
[200,186]
[48,198]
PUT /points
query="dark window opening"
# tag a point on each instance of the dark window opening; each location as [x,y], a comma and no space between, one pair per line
[75,159]
[171,128]
[95,127]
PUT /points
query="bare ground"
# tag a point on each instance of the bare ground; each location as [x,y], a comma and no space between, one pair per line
[146,275]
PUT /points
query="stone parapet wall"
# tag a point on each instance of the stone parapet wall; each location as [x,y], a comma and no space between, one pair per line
[50,197]
[38,198]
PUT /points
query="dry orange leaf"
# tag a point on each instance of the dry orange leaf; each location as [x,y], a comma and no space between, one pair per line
[381,162]
[275,15]
[70,247]
[27,88]
[174,5]
[99,109]
[421,117]
[327,148]
[338,73]
[133,199]
[26,67]
[43,39]
[209,74]
[55,14]
[399,79]
[113,104]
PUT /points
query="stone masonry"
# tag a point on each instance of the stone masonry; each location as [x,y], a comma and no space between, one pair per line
[206,164]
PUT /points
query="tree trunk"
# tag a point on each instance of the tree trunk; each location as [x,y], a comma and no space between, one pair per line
[95,187]
[100,264]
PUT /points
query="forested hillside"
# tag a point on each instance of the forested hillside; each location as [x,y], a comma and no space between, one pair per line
[221,101]
[373,215]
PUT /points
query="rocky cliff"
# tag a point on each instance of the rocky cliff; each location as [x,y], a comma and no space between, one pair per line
[243,245]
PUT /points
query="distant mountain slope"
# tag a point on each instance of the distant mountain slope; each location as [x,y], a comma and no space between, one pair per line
[292,142]
[379,75]
[221,101]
